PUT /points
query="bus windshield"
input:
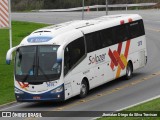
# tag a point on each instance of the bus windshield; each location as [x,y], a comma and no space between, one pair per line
[37,63]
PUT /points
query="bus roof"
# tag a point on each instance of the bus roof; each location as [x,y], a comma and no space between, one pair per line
[61,33]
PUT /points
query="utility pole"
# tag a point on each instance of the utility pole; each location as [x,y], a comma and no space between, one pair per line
[10,24]
[82,9]
[126,5]
[106,7]
[97,5]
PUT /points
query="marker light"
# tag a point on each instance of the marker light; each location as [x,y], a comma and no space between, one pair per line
[122,22]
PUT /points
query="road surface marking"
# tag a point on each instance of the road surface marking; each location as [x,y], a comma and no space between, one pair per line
[109,92]
[12,106]
[105,93]
[153,29]
[150,99]
[79,102]
[7,104]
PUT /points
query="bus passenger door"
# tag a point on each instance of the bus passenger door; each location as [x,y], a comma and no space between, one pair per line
[67,77]
[73,54]
[67,87]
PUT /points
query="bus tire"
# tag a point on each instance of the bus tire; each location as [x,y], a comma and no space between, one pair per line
[83,89]
[129,71]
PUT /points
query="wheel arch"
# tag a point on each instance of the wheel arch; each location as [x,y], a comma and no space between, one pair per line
[87,81]
[130,61]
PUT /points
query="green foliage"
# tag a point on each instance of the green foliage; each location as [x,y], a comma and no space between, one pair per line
[23,5]
[26,5]
[20,30]
[153,105]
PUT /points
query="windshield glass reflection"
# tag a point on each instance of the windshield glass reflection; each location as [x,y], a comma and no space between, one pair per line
[37,63]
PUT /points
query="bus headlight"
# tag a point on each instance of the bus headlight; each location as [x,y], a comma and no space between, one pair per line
[18,91]
[59,89]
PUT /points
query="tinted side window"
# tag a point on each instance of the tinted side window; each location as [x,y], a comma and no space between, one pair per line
[93,41]
[107,37]
[136,29]
[121,33]
[142,27]
[73,53]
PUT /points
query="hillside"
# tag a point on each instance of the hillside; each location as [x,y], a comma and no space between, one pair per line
[157,5]
[24,5]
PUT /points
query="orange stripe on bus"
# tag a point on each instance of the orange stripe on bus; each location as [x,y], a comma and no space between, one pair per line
[124,60]
[126,55]
[118,71]
[130,20]
[119,52]
[117,56]
[112,65]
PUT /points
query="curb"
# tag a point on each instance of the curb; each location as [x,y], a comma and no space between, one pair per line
[142,102]
[134,105]
[8,104]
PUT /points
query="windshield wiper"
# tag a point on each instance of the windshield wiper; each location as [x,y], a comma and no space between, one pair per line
[39,68]
[43,73]
[25,78]
[32,69]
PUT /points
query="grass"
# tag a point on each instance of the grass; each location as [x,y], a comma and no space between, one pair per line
[153,105]
[20,30]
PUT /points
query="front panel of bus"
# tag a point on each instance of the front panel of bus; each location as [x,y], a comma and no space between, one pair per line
[37,74]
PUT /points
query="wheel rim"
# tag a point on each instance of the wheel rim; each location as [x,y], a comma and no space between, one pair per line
[83,89]
[128,71]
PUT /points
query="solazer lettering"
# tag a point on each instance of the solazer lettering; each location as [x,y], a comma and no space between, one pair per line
[97,59]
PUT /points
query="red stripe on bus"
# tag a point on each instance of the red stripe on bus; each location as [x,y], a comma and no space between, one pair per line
[117,56]
[112,65]
[119,52]
[23,85]
[127,48]
[119,48]
[113,59]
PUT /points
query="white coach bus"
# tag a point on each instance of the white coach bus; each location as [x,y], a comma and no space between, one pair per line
[61,61]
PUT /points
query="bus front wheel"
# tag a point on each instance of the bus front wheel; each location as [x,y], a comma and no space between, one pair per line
[129,71]
[84,89]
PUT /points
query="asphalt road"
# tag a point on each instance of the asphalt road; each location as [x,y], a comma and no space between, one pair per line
[114,95]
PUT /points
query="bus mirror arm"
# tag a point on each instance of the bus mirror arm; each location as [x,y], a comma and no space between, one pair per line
[9,55]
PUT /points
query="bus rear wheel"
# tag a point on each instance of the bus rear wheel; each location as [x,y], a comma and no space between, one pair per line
[129,71]
[84,89]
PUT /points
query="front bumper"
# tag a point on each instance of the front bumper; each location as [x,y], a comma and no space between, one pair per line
[48,96]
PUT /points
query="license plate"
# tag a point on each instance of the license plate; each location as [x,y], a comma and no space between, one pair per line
[36,97]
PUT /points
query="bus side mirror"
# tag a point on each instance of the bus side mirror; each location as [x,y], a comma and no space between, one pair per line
[9,55]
